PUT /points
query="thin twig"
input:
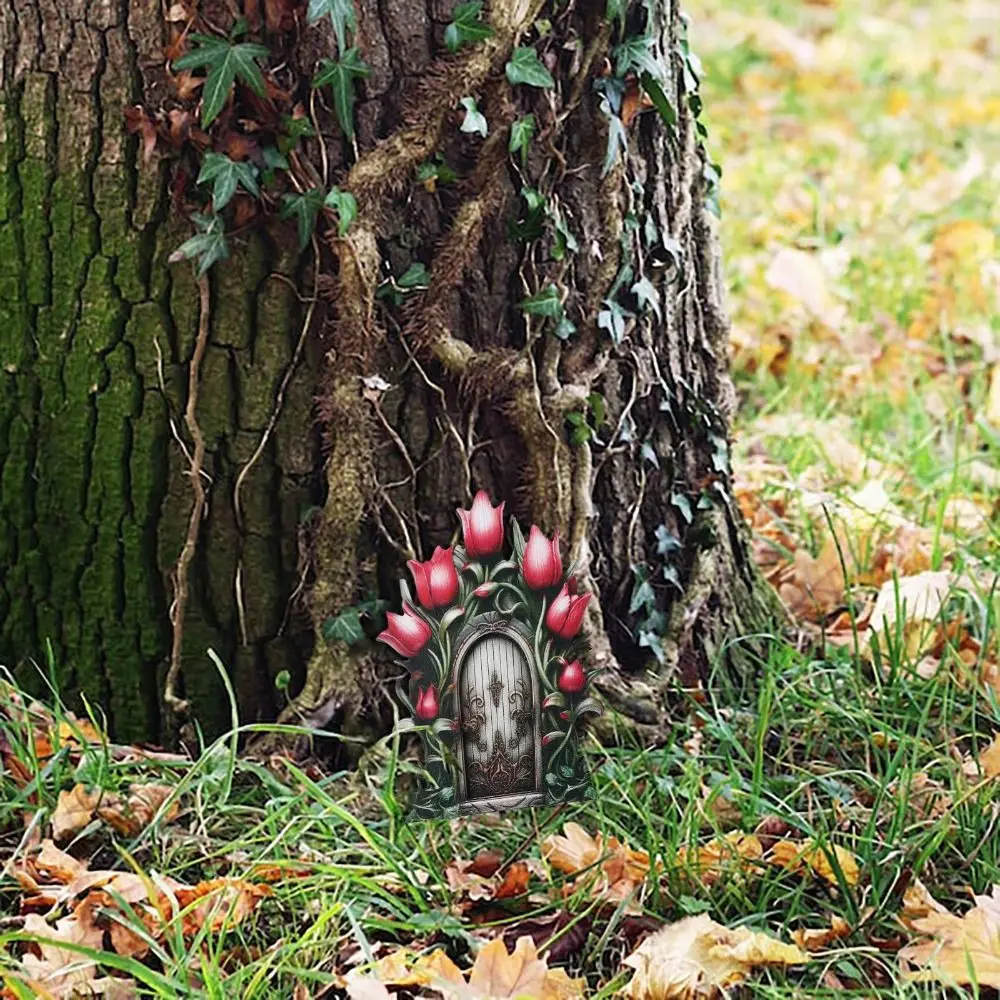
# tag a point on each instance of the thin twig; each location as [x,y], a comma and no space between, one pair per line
[176,705]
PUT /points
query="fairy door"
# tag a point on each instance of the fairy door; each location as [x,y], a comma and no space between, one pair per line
[499,712]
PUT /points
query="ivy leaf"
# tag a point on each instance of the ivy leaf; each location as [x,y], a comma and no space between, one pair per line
[565,328]
[649,454]
[636,53]
[466,26]
[226,63]
[666,543]
[525,67]
[612,319]
[345,205]
[340,76]
[475,120]
[544,303]
[415,276]
[521,133]
[225,175]
[341,13]
[617,142]
[659,98]
[565,240]
[303,208]
[346,627]
[274,159]
[653,642]
[683,504]
[207,246]
[642,596]
[649,298]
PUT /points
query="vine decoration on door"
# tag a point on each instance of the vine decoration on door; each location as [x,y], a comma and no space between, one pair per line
[459,584]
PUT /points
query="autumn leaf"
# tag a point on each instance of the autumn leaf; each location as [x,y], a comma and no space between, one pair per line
[809,856]
[721,855]
[987,764]
[955,950]
[74,810]
[697,957]
[133,815]
[816,939]
[496,974]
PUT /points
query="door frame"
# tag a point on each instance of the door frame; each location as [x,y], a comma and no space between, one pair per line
[492,623]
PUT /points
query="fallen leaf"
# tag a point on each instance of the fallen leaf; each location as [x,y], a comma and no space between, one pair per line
[74,810]
[722,855]
[918,599]
[820,938]
[987,765]
[800,275]
[60,971]
[808,855]
[697,957]
[963,951]
[622,870]
[136,813]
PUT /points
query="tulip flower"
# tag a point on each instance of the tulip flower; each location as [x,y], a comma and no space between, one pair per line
[572,679]
[407,633]
[427,703]
[565,614]
[541,565]
[436,580]
[485,589]
[482,527]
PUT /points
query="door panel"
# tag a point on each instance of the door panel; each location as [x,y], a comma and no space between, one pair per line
[497,718]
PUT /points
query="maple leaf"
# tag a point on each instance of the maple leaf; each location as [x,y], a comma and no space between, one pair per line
[810,856]
[963,951]
[697,957]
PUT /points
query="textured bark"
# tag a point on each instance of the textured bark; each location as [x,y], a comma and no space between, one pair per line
[95,500]
[94,496]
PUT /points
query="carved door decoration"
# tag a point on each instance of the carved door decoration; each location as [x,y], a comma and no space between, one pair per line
[498,683]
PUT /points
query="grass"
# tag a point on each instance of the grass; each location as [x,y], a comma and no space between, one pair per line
[836,154]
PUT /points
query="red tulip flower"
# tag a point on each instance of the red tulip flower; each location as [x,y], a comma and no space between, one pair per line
[482,527]
[541,565]
[427,703]
[572,679]
[565,614]
[407,633]
[435,579]
[485,589]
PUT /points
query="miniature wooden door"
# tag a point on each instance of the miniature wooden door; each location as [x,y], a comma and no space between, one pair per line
[499,744]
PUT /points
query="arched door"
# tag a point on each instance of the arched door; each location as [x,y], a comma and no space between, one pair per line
[500,749]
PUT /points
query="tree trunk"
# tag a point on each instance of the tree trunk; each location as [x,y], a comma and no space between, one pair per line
[472,389]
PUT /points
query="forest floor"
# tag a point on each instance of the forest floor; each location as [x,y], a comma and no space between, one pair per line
[851,814]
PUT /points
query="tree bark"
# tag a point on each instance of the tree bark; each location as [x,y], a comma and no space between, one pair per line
[472,390]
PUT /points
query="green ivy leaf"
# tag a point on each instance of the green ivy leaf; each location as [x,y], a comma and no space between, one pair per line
[466,26]
[225,175]
[340,12]
[303,208]
[525,67]
[207,246]
[613,319]
[658,96]
[226,63]
[345,205]
[683,504]
[340,77]
[543,303]
[649,298]
[475,120]
[636,53]
[649,454]
[643,595]
[521,133]
[415,276]
[666,543]
[274,159]
[565,328]
[617,142]
[346,627]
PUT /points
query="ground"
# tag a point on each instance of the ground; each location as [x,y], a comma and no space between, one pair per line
[860,213]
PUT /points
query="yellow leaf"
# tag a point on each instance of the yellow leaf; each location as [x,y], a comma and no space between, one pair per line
[957,950]
[800,275]
[721,854]
[74,810]
[697,957]
[964,240]
[795,857]
[822,937]
[573,851]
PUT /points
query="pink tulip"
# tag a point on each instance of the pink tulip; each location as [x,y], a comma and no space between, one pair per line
[427,703]
[572,679]
[407,633]
[436,580]
[482,527]
[565,614]
[541,565]
[485,589]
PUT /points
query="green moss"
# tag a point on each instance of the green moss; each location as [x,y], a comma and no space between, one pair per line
[216,406]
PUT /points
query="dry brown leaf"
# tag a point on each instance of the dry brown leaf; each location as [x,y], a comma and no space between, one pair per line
[722,855]
[957,950]
[495,974]
[573,851]
[800,275]
[697,957]
[988,763]
[622,870]
[814,586]
[74,810]
[136,813]
[819,938]
[59,970]
[808,855]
